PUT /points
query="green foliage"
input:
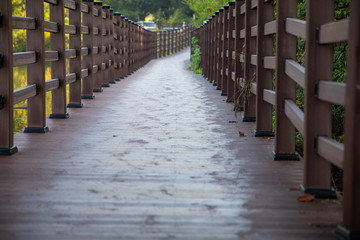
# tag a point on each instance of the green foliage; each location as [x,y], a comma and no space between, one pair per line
[195,56]
[164,10]
[204,9]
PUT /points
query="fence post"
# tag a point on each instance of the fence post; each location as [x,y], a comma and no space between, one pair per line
[97,41]
[6,83]
[75,63]
[249,68]
[111,61]
[117,46]
[88,81]
[230,52]
[105,46]
[285,86]
[58,68]
[217,49]
[212,50]
[265,14]
[351,206]
[36,71]
[317,122]
[224,50]
[239,43]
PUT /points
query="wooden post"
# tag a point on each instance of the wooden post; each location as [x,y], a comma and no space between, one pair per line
[97,42]
[117,46]
[249,69]
[127,47]
[111,38]
[36,71]
[88,63]
[58,68]
[217,51]
[212,50]
[230,65]
[239,43]
[224,50]
[351,206]
[6,83]
[75,63]
[105,46]
[265,14]
[285,86]
[317,121]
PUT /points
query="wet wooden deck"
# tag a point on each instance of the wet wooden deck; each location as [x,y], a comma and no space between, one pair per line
[156,156]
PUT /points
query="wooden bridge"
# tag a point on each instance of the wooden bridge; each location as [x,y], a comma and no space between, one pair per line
[144,149]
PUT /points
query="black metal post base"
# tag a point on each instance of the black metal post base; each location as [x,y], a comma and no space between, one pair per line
[238,109]
[8,151]
[98,90]
[286,156]
[214,84]
[121,78]
[88,97]
[344,234]
[36,130]
[229,100]
[264,134]
[112,82]
[249,119]
[118,79]
[107,85]
[75,105]
[218,88]
[223,94]
[59,116]
[320,193]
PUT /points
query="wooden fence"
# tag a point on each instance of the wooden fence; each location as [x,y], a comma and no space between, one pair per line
[104,47]
[238,46]
[173,40]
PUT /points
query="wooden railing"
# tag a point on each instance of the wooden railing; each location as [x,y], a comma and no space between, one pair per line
[104,47]
[173,40]
[237,46]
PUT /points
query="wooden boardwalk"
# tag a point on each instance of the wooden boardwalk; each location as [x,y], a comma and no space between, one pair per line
[159,155]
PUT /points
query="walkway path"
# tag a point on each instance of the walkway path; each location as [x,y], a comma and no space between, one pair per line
[156,156]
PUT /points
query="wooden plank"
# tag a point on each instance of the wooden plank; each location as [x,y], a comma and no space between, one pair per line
[70,29]
[254,59]
[254,4]
[95,50]
[270,27]
[95,31]
[52,84]
[95,68]
[234,34]
[331,150]
[333,32]
[70,53]
[70,4]
[24,58]
[84,30]
[54,2]
[253,88]
[84,73]
[95,12]
[84,51]
[84,8]
[233,76]
[270,62]
[296,27]
[269,96]
[23,23]
[24,93]
[243,9]
[242,33]
[242,58]
[70,78]
[254,31]
[51,27]
[295,115]
[332,92]
[51,56]
[295,71]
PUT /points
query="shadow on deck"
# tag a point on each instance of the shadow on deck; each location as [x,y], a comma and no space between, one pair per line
[156,156]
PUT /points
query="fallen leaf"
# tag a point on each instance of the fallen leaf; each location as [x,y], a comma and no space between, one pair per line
[241,134]
[232,121]
[294,189]
[306,197]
